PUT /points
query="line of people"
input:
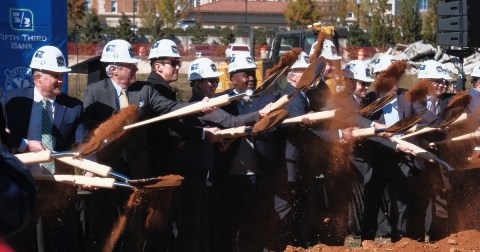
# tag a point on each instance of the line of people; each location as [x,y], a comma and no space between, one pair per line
[296,184]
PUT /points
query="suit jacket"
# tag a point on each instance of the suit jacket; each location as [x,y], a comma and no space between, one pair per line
[18,107]
[265,145]
[428,116]
[130,155]
[166,136]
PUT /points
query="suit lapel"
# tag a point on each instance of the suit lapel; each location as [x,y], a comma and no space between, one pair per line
[111,95]
[59,113]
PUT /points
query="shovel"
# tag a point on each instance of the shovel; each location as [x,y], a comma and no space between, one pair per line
[453,120]
[189,109]
[378,104]
[424,154]
[99,182]
[398,127]
[315,117]
[310,77]
[473,135]
[271,120]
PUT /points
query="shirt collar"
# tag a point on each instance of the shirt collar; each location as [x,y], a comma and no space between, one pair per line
[117,87]
[37,97]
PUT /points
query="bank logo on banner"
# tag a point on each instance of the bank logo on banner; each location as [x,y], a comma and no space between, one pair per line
[19,77]
[21,19]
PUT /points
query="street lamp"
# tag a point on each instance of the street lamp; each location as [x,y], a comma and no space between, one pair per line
[134,25]
[358,11]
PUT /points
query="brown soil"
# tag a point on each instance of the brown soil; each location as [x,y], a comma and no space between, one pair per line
[463,241]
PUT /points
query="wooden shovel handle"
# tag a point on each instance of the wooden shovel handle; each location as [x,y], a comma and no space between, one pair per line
[232,132]
[79,180]
[366,132]
[316,117]
[468,136]
[417,151]
[419,132]
[187,110]
[87,165]
[280,103]
[35,157]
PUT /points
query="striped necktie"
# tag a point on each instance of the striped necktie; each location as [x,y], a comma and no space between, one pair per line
[47,139]
[123,99]
[432,105]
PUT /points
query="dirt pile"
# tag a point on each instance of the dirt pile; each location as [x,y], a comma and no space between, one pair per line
[462,241]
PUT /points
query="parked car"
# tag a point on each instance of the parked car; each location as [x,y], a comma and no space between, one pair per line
[236,49]
[186,23]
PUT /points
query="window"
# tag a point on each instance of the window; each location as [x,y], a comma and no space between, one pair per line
[114,6]
[423,5]
[350,14]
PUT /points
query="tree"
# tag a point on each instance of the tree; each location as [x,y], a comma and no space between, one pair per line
[172,11]
[429,24]
[150,18]
[301,13]
[357,36]
[123,30]
[76,10]
[382,30]
[227,36]
[409,22]
[92,28]
[198,35]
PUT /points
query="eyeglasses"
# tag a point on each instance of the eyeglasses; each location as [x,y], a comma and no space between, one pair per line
[439,81]
[364,84]
[173,63]
[212,80]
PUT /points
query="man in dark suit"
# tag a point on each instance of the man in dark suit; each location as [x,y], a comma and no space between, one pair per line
[430,179]
[244,164]
[389,167]
[42,118]
[128,156]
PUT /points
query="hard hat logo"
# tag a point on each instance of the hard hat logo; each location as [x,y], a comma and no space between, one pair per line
[306,58]
[194,67]
[422,67]
[130,50]
[60,61]
[249,59]
[174,49]
[39,54]
[110,48]
[441,69]
[214,67]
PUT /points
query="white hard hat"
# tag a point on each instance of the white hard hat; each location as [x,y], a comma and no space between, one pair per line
[476,71]
[241,62]
[358,70]
[303,61]
[383,62]
[118,51]
[49,58]
[432,69]
[164,48]
[329,51]
[202,68]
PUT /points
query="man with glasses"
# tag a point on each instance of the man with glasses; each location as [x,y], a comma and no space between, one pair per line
[429,179]
[129,155]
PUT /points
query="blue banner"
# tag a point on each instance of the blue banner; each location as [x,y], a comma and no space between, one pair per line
[25,26]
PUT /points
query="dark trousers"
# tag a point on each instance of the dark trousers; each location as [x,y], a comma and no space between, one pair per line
[241,219]
[399,188]
[191,214]
[428,205]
